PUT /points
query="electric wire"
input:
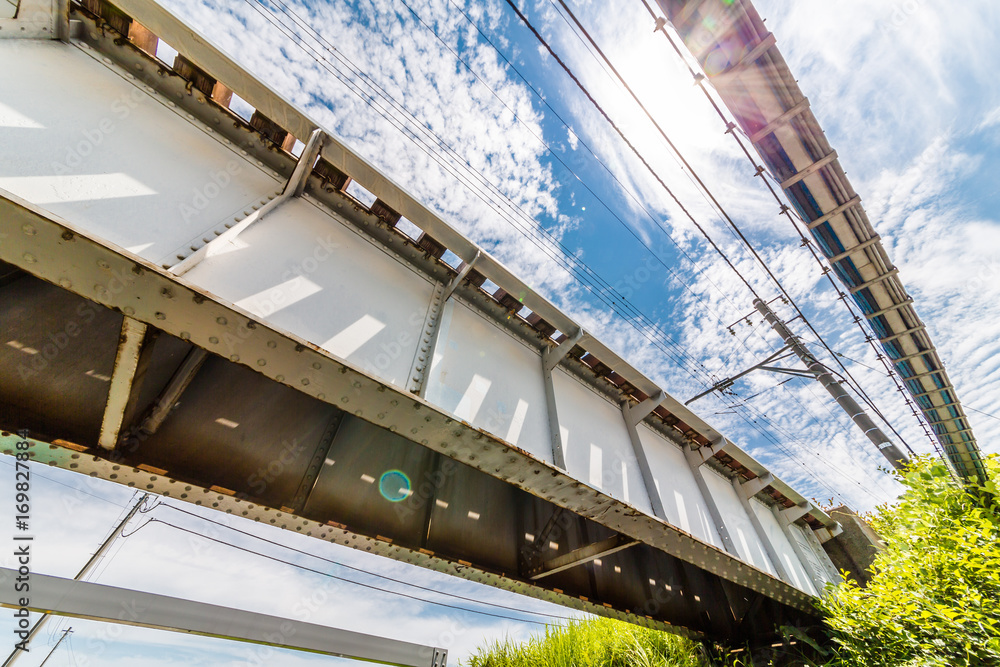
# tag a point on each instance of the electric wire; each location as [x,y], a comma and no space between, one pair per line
[982,413]
[759,170]
[850,428]
[687,165]
[659,179]
[356,569]
[441,143]
[816,476]
[853,383]
[582,142]
[735,228]
[656,330]
[68,486]
[479,78]
[343,579]
[565,259]
[791,437]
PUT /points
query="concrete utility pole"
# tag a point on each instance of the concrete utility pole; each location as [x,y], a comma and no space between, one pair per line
[91,564]
[889,450]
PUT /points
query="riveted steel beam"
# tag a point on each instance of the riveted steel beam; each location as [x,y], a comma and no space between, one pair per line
[696,459]
[745,491]
[319,457]
[874,281]
[933,391]
[54,251]
[424,356]
[37,19]
[786,517]
[172,392]
[915,355]
[889,339]
[793,514]
[939,371]
[895,306]
[633,415]
[551,357]
[854,250]
[293,188]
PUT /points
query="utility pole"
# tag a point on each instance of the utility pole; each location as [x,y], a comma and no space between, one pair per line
[889,450]
[91,564]
[64,636]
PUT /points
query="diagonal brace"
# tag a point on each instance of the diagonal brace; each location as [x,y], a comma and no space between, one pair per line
[583,555]
[293,188]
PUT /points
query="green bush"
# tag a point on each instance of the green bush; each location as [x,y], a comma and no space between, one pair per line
[933,599]
[593,642]
[934,596]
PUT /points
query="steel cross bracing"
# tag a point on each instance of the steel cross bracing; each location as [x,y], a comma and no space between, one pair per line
[740,59]
[309,337]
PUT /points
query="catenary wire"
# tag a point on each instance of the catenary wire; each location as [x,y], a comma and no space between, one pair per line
[591,280]
[787,212]
[743,342]
[659,179]
[735,228]
[343,579]
[440,143]
[569,72]
[356,569]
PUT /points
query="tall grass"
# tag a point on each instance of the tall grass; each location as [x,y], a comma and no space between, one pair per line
[594,642]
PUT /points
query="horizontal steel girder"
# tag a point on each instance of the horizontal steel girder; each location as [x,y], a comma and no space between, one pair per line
[248,352]
[88,600]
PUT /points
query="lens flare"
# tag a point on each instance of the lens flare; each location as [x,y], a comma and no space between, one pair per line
[394,486]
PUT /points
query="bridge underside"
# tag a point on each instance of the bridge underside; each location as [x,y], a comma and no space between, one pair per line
[328,371]
[312,467]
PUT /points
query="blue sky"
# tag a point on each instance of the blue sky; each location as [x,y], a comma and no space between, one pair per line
[907,95]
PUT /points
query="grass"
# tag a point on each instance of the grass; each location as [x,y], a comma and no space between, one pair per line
[593,642]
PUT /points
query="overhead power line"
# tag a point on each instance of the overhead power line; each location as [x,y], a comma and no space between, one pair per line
[735,228]
[787,211]
[509,210]
[343,579]
[679,155]
[651,331]
[850,429]
[357,569]
[659,179]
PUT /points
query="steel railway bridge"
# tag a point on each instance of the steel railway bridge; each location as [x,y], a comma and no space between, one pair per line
[193,307]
